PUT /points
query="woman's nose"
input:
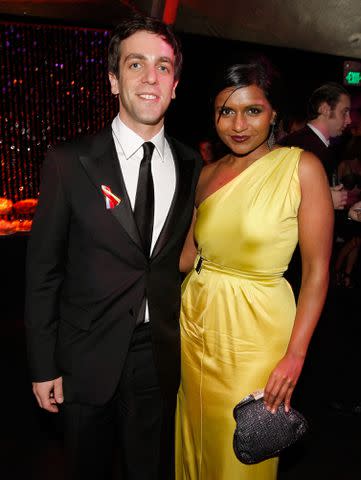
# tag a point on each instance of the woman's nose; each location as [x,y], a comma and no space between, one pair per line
[239,123]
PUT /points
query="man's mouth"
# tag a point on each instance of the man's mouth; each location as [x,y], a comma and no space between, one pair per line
[148,96]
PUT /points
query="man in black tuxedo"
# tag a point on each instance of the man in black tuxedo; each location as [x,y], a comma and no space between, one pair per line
[328,116]
[103,284]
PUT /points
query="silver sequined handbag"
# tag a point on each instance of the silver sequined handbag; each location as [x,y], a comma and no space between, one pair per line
[260,434]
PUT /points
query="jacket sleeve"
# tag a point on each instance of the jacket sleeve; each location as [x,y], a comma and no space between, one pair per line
[45,267]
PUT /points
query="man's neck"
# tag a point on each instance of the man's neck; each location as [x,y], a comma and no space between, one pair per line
[321,127]
[147,132]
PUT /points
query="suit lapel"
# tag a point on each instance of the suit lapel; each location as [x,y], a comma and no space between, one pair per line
[184,174]
[103,168]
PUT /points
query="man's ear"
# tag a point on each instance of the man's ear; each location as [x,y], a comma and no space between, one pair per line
[174,87]
[324,109]
[113,83]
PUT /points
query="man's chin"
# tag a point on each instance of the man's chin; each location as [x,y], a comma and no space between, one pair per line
[152,115]
[151,121]
[337,134]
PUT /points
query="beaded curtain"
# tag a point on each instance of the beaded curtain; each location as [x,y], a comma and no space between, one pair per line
[54,86]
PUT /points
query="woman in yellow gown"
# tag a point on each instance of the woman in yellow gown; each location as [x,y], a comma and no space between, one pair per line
[240,328]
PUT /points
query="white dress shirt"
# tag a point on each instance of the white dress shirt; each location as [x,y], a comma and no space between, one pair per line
[130,153]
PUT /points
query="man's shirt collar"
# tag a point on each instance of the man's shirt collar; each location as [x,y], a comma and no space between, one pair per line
[319,134]
[130,142]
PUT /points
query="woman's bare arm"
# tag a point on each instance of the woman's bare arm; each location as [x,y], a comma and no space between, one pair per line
[315,219]
[189,251]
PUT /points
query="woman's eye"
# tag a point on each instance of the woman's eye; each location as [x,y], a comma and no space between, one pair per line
[254,110]
[225,111]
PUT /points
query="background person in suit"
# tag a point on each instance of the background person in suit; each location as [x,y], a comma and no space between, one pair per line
[103,283]
[328,116]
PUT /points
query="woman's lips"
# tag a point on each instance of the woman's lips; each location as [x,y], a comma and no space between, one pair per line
[240,138]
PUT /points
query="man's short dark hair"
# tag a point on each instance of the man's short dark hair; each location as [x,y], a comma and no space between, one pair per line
[138,23]
[330,93]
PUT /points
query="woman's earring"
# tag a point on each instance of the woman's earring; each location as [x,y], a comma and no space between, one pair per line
[271,140]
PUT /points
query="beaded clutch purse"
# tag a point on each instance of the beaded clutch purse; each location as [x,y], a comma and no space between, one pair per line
[260,434]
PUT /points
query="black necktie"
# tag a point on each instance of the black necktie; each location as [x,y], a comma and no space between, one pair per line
[144,200]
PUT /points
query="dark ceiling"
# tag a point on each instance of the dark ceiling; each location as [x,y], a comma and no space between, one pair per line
[326,26]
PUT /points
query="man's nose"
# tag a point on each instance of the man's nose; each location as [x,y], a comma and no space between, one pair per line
[150,74]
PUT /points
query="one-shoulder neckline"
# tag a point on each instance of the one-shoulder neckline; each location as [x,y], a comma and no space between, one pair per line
[236,177]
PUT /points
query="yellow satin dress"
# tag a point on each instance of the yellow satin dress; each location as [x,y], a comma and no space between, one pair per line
[237,312]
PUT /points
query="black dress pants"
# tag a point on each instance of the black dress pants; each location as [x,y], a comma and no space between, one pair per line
[131,421]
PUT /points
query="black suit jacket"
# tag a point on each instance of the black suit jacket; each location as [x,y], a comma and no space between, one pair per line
[306,139]
[87,274]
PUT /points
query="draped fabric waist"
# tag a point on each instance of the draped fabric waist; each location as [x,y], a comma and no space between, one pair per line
[202,263]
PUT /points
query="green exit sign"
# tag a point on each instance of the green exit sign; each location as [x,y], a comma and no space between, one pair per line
[352,73]
[353,78]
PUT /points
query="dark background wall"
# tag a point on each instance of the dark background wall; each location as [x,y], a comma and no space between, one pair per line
[301,73]
[54,86]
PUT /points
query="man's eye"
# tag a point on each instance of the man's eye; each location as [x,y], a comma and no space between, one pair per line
[163,68]
[135,66]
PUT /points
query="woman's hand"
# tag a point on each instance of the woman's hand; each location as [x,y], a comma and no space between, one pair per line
[282,382]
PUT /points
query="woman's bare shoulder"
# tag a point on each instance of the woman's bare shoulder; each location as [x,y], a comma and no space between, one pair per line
[207,172]
[312,175]
[310,164]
